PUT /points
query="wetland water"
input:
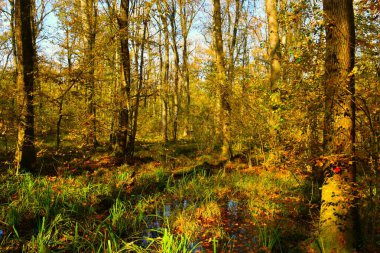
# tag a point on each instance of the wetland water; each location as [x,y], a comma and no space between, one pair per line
[238,229]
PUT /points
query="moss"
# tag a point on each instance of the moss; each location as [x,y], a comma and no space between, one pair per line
[336,233]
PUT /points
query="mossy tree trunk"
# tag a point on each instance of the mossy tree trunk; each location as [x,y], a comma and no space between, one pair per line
[89,9]
[25,155]
[223,85]
[338,216]
[274,56]
[125,107]
[187,13]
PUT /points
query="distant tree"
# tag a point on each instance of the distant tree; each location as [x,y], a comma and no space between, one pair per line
[187,12]
[68,44]
[141,33]
[165,66]
[172,8]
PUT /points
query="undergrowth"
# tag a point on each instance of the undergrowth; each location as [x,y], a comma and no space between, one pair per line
[108,209]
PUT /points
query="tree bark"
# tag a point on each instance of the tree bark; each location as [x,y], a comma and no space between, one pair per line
[176,72]
[339,81]
[187,13]
[275,74]
[186,73]
[124,113]
[339,226]
[224,88]
[274,43]
[89,25]
[25,156]
[165,76]
[232,45]
[132,137]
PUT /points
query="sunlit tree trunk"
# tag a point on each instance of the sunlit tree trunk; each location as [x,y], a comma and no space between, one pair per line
[274,43]
[165,76]
[232,44]
[338,223]
[176,71]
[89,25]
[140,81]
[245,66]
[25,156]
[223,85]
[275,74]
[186,74]
[126,77]
[12,29]
[187,12]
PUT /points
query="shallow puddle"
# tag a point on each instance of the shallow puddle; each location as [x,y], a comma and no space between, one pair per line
[241,234]
[240,231]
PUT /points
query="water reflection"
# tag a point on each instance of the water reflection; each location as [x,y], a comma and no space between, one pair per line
[240,232]
[232,207]
[167,208]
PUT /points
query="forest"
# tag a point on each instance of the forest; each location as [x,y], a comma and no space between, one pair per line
[190,126]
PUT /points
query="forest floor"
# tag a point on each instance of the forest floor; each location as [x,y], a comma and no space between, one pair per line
[171,198]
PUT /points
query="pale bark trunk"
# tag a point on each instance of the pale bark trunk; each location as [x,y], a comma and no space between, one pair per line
[275,74]
[232,46]
[186,18]
[274,43]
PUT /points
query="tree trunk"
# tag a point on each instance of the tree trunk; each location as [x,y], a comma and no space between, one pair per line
[274,43]
[187,12]
[176,73]
[89,23]
[338,217]
[126,77]
[25,156]
[275,74]
[186,73]
[13,31]
[165,77]
[58,130]
[61,98]
[132,138]
[232,45]
[224,88]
